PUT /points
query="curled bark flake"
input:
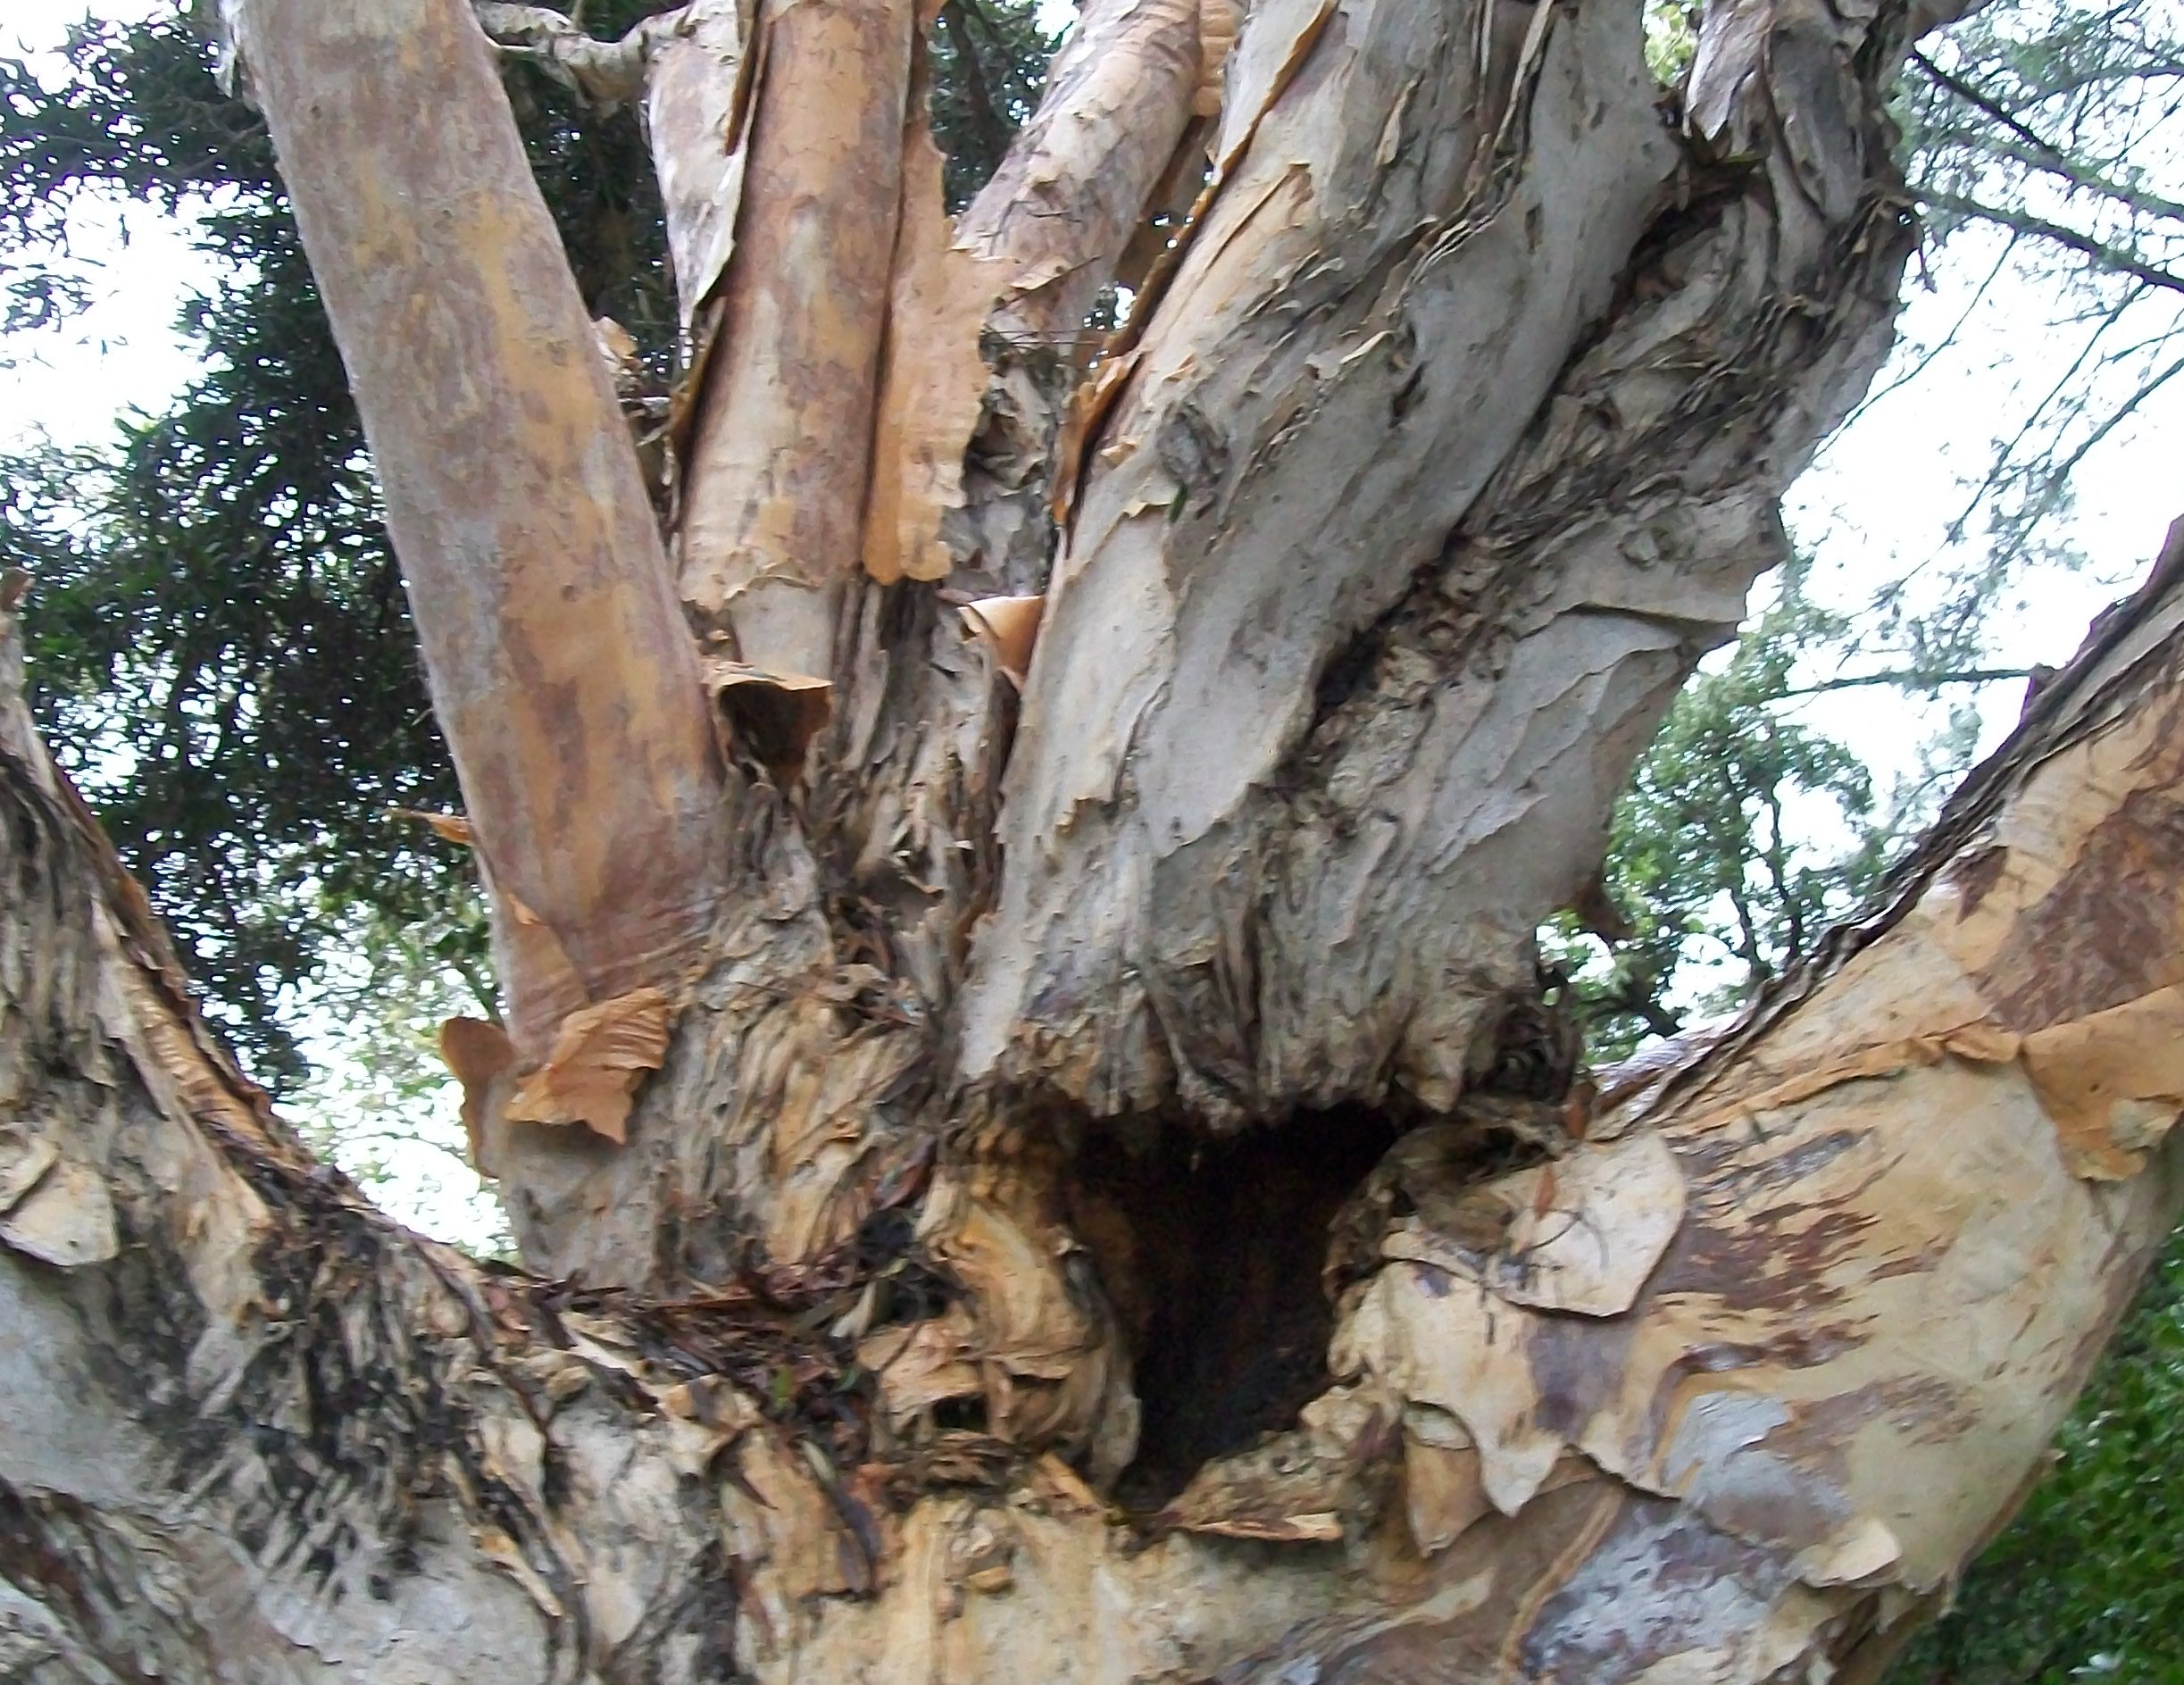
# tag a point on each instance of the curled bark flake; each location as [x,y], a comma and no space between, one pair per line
[772,717]
[449,828]
[1433,1340]
[1011,626]
[1579,1235]
[601,1054]
[24,1159]
[65,1218]
[481,1056]
[2113,1082]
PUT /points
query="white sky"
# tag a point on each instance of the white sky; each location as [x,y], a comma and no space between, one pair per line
[1876,502]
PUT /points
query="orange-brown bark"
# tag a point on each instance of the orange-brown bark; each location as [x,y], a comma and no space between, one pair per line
[1719,1386]
[1726,1395]
[774,488]
[560,665]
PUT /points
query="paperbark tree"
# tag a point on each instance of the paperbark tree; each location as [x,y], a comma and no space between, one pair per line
[1025,1084]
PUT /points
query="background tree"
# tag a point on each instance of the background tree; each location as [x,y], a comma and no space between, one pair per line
[1709,855]
[2058,129]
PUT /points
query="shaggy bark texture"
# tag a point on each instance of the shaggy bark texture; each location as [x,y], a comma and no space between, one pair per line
[1443,439]
[1732,1384]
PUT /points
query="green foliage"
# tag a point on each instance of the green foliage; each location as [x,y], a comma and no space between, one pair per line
[1712,862]
[1671,39]
[990,67]
[2088,1583]
[219,646]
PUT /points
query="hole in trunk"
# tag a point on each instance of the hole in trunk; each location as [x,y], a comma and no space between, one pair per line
[1211,1252]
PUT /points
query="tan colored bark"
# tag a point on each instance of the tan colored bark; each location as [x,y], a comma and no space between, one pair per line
[933,379]
[1397,707]
[560,666]
[607,73]
[793,1095]
[1364,610]
[774,486]
[1906,1236]
[1078,179]
[1112,143]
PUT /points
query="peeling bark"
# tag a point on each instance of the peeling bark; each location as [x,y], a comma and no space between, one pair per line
[1080,176]
[806,1073]
[1598,352]
[774,486]
[697,88]
[933,381]
[607,73]
[253,1429]
[1113,135]
[1453,442]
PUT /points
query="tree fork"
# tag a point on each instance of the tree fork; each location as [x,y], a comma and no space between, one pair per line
[1752,1420]
[1254,765]
[989,1145]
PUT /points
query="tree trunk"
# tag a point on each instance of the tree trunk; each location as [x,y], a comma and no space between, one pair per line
[1049,1160]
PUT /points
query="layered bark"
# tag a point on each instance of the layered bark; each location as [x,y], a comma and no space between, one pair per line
[1732,1397]
[1446,440]
[775,481]
[1079,180]
[812,1068]
[1454,440]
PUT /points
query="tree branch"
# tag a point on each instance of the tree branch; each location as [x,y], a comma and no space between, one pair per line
[1075,183]
[1983,141]
[2042,152]
[1908,679]
[606,73]
[2104,256]
[561,667]
[781,443]
[1206,712]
